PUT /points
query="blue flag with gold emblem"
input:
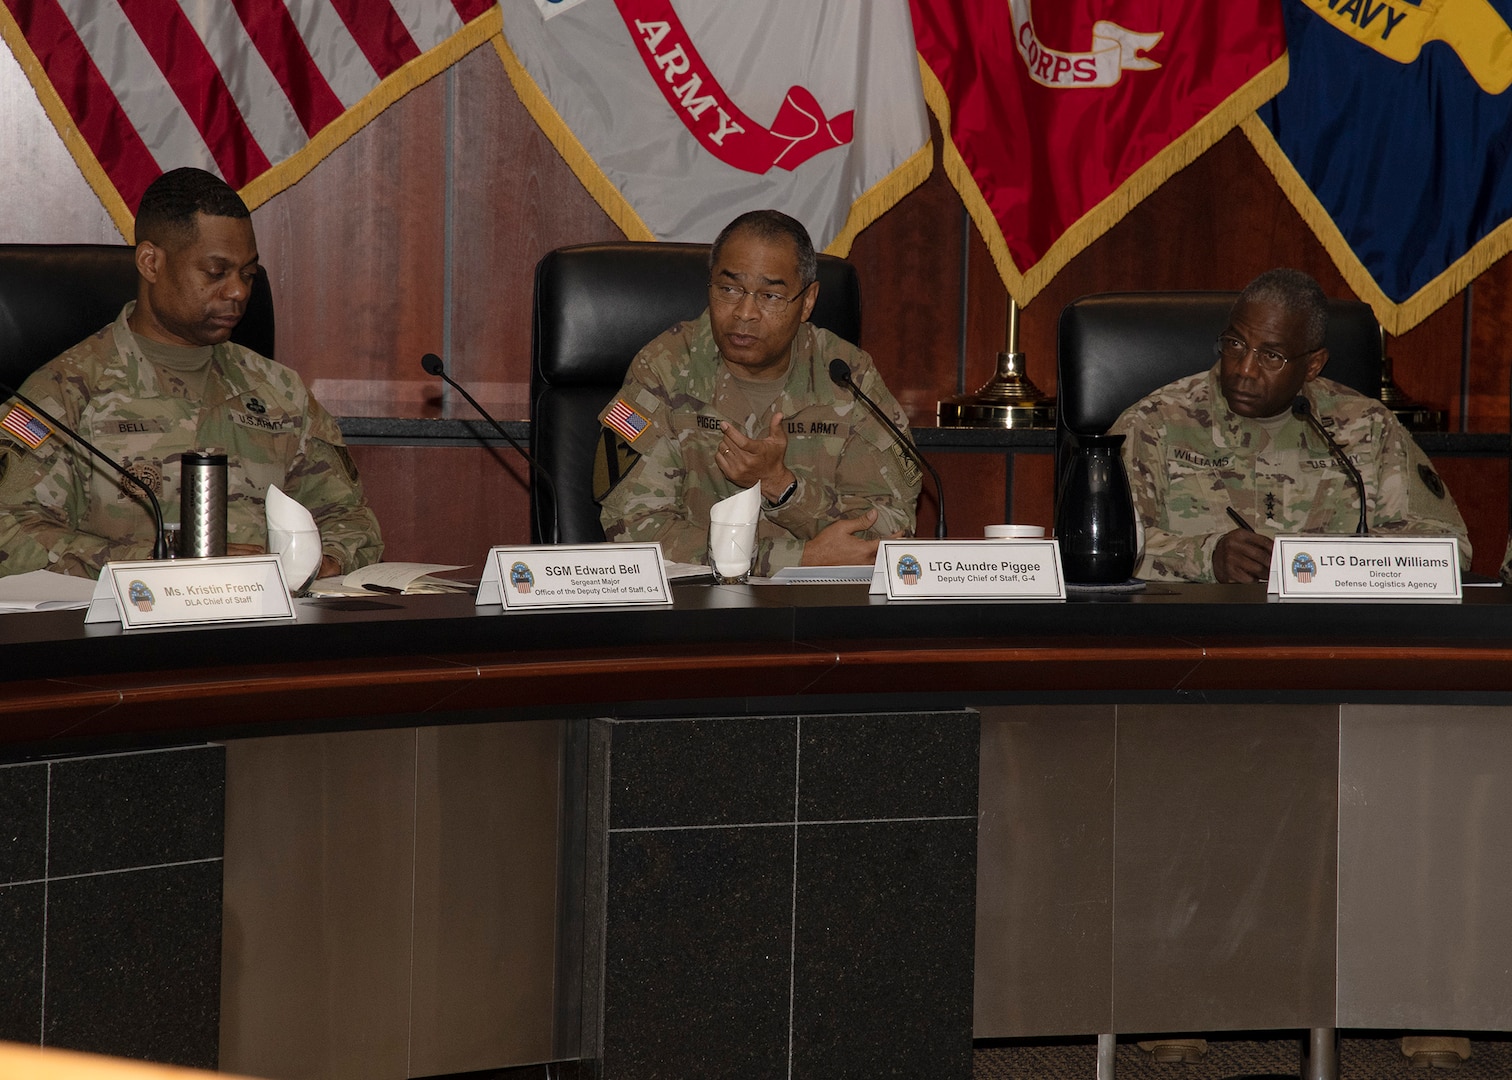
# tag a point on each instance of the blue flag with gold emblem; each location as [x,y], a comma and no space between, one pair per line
[1393,138]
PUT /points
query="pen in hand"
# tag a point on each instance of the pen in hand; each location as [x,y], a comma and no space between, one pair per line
[1239,519]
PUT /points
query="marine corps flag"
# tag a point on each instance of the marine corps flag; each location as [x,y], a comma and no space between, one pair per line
[1063,114]
[1392,140]
[677,115]
[255,91]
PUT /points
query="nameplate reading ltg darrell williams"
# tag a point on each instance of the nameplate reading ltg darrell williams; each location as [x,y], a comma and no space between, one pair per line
[574,576]
[1365,568]
[186,592]
[961,569]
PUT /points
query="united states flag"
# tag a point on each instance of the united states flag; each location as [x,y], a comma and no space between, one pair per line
[257,91]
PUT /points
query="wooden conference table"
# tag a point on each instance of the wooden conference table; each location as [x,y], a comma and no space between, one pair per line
[767,828]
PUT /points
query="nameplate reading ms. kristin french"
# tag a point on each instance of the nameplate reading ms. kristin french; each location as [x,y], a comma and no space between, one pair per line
[980,569]
[586,575]
[1365,568]
[187,592]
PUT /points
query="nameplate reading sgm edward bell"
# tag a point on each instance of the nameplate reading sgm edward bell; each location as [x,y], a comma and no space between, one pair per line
[1365,568]
[983,569]
[584,575]
[187,592]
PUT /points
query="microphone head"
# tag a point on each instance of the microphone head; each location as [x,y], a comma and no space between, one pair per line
[1301,407]
[840,372]
[432,364]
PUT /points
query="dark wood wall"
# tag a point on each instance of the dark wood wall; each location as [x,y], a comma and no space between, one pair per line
[425,229]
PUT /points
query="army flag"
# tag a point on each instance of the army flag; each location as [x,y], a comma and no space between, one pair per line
[677,115]
[256,91]
[1392,142]
[1061,116]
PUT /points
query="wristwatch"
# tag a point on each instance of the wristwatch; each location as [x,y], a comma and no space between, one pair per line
[782,499]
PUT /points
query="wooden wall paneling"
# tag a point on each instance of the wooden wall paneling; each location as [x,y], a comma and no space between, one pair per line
[1491,348]
[445,504]
[1479,487]
[909,264]
[355,250]
[514,200]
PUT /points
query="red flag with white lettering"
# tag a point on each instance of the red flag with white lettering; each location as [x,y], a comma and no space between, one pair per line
[252,90]
[1062,116]
[677,115]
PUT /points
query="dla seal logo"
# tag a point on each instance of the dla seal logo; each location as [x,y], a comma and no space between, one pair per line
[1303,567]
[140,595]
[909,570]
[521,577]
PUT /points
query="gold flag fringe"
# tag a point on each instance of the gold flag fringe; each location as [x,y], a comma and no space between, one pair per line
[287,172]
[872,204]
[1397,318]
[73,139]
[1024,285]
[573,152]
[883,196]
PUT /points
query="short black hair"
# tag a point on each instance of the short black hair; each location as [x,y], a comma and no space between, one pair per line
[165,215]
[772,225]
[1291,290]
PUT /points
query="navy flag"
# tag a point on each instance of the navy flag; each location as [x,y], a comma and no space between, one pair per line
[1391,139]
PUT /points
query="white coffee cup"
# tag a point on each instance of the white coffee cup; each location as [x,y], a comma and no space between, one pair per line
[1014,532]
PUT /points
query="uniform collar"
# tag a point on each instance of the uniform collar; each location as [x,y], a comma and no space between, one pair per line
[225,382]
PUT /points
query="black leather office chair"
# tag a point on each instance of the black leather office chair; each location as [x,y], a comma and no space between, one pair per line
[53,296]
[596,306]
[1115,348]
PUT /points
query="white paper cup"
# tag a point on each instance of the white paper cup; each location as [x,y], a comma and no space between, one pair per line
[731,549]
[1014,532]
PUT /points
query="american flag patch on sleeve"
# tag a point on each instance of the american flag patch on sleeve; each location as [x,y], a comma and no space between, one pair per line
[26,426]
[625,420]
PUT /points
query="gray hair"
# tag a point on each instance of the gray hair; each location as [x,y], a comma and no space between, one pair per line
[773,225]
[1292,291]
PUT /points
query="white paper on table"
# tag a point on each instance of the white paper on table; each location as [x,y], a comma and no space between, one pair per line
[293,536]
[43,590]
[386,575]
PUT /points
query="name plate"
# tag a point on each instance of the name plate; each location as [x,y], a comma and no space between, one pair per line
[1365,568]
[980,569]
[188,592]
[574,576]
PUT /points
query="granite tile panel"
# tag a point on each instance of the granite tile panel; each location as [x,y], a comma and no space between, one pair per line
[702,772]
[125,810]
[884,933]
[696,982]
[23,822]
[887,766]
[133,964]
[21,926]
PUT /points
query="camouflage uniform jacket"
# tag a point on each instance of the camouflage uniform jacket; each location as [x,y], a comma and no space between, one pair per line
[1189,458]
[61,509]
[845,460]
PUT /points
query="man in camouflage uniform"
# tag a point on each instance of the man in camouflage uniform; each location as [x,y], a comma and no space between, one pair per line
[742,396]
[1227,438]
[163,379]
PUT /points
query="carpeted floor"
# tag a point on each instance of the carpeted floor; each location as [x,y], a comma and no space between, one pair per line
[1362,1056]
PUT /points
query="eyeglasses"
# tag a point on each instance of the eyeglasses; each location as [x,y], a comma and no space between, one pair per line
[1234,350]
[770,303]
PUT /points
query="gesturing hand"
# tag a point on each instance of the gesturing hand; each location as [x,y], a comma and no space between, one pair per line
[756,461]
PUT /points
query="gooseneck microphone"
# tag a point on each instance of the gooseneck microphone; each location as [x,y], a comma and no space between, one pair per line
[160,542]
[840,375]
[1302,410]
[433,366]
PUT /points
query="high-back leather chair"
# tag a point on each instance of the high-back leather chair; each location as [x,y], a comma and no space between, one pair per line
[52,296]
[596,306]
[1115,348]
